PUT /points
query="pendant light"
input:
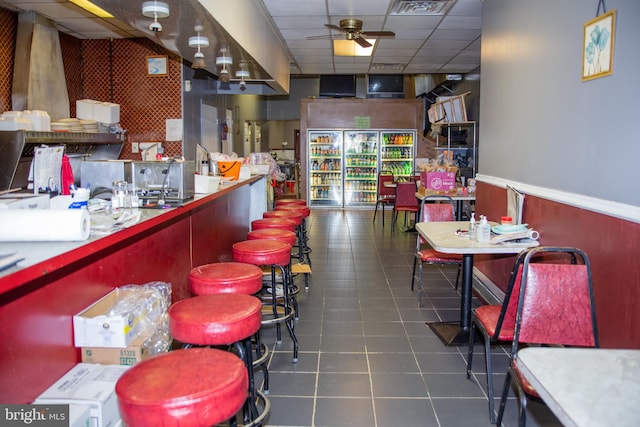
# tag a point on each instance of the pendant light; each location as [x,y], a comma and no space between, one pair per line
[198,42]
[155,9]
[242,74]
[222,61]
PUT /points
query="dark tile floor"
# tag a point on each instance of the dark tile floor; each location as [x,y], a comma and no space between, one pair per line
[366,356]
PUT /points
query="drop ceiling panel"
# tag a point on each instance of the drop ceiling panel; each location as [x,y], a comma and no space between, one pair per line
[425,44]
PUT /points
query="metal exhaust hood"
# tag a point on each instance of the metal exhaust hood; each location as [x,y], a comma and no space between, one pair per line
[242,27]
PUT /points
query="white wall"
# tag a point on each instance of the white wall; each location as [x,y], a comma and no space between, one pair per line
[541,124]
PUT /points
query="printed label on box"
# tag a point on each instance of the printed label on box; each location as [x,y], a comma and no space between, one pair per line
[440,181]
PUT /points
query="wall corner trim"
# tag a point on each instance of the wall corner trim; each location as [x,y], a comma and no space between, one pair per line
[605,207]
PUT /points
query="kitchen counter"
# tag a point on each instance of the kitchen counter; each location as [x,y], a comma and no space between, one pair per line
[40,295]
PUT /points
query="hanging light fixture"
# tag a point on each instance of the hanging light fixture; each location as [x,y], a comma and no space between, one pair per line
[155,9]
[242,74]
[198,42]
[222,61]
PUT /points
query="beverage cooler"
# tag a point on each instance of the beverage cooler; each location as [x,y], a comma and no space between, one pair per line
[397,152]
[325,168]
[344,164]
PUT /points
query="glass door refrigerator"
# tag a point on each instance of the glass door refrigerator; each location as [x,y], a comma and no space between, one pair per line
[325,168]
[397,152]
[360,167]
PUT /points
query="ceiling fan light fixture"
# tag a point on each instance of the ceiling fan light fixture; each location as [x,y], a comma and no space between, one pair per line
[351,48]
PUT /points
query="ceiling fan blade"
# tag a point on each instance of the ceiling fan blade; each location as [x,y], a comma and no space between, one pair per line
[362,42]
[333,27]
[325,37]
[378,34]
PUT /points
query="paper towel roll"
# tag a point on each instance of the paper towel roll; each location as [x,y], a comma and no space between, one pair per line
[44,225]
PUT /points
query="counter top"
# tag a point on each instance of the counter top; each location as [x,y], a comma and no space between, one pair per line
[42,258]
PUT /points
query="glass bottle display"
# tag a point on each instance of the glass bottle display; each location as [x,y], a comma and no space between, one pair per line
[325,168]
[397,151]
[361,167]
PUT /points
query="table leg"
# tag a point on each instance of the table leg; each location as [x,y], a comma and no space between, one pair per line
[457,333]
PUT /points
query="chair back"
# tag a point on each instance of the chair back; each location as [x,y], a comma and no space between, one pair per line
[406,196]
[436,209]
[556,304]
[382,190]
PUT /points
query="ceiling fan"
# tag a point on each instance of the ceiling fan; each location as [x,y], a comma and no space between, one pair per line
[352,29]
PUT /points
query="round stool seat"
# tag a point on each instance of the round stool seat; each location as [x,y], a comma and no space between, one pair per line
[282,202]
[262,252]
[197,387]
[215,319]
[281,223]
[292,215]
[273,234]
[225,278]
[304,210]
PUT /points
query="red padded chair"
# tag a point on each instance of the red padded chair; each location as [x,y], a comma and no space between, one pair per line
[386,195]
[555,307]
[406,200]
[495,322]
[432,211]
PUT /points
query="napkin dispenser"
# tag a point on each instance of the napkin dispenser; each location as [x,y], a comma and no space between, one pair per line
[173,179]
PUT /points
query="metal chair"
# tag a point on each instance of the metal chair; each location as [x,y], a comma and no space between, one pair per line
[495,322]
[406,200]
[431,210]
[386,195]
[555,307]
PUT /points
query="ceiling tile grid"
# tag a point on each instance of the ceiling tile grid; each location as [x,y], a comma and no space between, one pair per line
[448,42]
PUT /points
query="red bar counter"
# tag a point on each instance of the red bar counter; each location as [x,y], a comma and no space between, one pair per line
[38,301]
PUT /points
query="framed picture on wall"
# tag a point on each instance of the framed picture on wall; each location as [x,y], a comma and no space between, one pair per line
[597,46]
[157,65]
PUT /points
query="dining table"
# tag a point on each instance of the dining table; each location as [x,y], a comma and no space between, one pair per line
[458,197]
[585,386]
[447,237]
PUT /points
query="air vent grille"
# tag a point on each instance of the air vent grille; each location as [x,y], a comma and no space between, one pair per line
[421,7]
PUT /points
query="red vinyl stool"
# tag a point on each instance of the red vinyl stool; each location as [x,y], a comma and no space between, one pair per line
[281,202]
[225,277]
[273,234]
[296,217]
[197,387]
[277,255]
[281,223]
[303,248]
[223,320]
[236,278]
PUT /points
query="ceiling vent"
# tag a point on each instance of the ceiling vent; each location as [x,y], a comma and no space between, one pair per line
[421,7]
[385,66]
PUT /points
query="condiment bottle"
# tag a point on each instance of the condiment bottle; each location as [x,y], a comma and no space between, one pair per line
[472,226]
[484,230]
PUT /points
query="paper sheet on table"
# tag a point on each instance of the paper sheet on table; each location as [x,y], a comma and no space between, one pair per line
[515,204]
[47,165]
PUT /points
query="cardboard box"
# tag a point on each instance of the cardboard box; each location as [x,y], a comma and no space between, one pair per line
[439,181]
[205,184]
[89,385]
[93,328]
[106,112]
[79,416]
[132,354]
[84,108]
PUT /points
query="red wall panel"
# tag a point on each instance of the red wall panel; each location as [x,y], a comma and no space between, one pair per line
[610,243]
